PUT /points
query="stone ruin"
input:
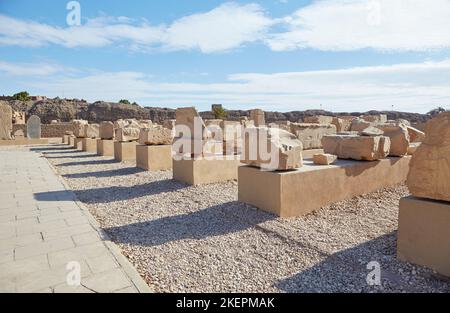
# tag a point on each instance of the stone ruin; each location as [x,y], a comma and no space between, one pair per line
[79,128]
[258,116]
[18,118]
[272,149]
[155,136]
[311,134]
[5,122]
[106,130]
[129,129]
[92,131]
[34,127]
[366,148]
[429,175]
[193,138]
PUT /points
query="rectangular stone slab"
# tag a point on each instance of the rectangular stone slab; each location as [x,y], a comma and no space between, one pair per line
[78,143]
[72,141]
[205,171]
[125,151]
[301,191]
[154,158]
[423,236]
[105,147]
[89,145]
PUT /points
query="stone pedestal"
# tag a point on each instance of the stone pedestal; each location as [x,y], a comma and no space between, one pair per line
[89,145]
[125,150]
[301,191]
[205,171]
[78,143]
[423,236]
[72,141]
[105,147]
[154,158]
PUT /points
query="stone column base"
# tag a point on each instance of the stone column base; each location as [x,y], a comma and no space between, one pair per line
[154,158]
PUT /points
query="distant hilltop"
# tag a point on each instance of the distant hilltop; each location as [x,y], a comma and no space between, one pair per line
[65,110]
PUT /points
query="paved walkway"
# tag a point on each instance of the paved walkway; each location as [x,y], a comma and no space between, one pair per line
[45,234]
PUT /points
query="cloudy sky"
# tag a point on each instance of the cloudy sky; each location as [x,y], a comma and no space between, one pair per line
[341,55]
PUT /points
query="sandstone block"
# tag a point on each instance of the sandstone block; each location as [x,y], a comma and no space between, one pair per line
[429,175]
[399,138]
[324,159]
[258,117]
[378,118]
[127,134]
[5,122]
[106,130]
[91,131]
[318,119]
[357,147]
[155,136]
[359,125]
[78,128]
[311,134]
[372,131]
[272,149]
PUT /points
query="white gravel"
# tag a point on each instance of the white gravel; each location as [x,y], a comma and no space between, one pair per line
[200,239]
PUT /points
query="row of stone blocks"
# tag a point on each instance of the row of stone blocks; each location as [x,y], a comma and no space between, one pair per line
[423,233]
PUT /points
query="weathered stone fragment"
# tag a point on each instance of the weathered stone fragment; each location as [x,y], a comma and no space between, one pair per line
[91,131]
[106,130]
[155,136]
[19,134]
[258,116]
[5,121]
[127,134]
[365,148]
[378,118]
[272,149]
[78,128]
[34,127]
[429,175]
[399,138]
[311,134]
[318,119]
[372,131]
[324,158]
[359,125]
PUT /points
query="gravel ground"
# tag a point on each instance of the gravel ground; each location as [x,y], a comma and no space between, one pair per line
[200,239]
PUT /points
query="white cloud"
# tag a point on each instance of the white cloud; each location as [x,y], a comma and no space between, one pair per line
[225,27]
[30,69]
[336,25]
[416,87]
[345,25]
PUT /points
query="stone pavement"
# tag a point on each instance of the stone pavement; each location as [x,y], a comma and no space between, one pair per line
[46,235]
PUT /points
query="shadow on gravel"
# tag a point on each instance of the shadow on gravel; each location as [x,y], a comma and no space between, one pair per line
[74,156]
[72,150]
[109,173]
[91,162]
[52,148]
[348,268]
[119,193]
[216,220]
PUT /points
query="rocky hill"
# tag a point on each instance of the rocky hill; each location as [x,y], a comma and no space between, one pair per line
[66,110]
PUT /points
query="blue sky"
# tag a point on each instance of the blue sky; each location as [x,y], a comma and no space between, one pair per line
[346,55]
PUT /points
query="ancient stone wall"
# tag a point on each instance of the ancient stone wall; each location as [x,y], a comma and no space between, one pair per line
[48,130]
